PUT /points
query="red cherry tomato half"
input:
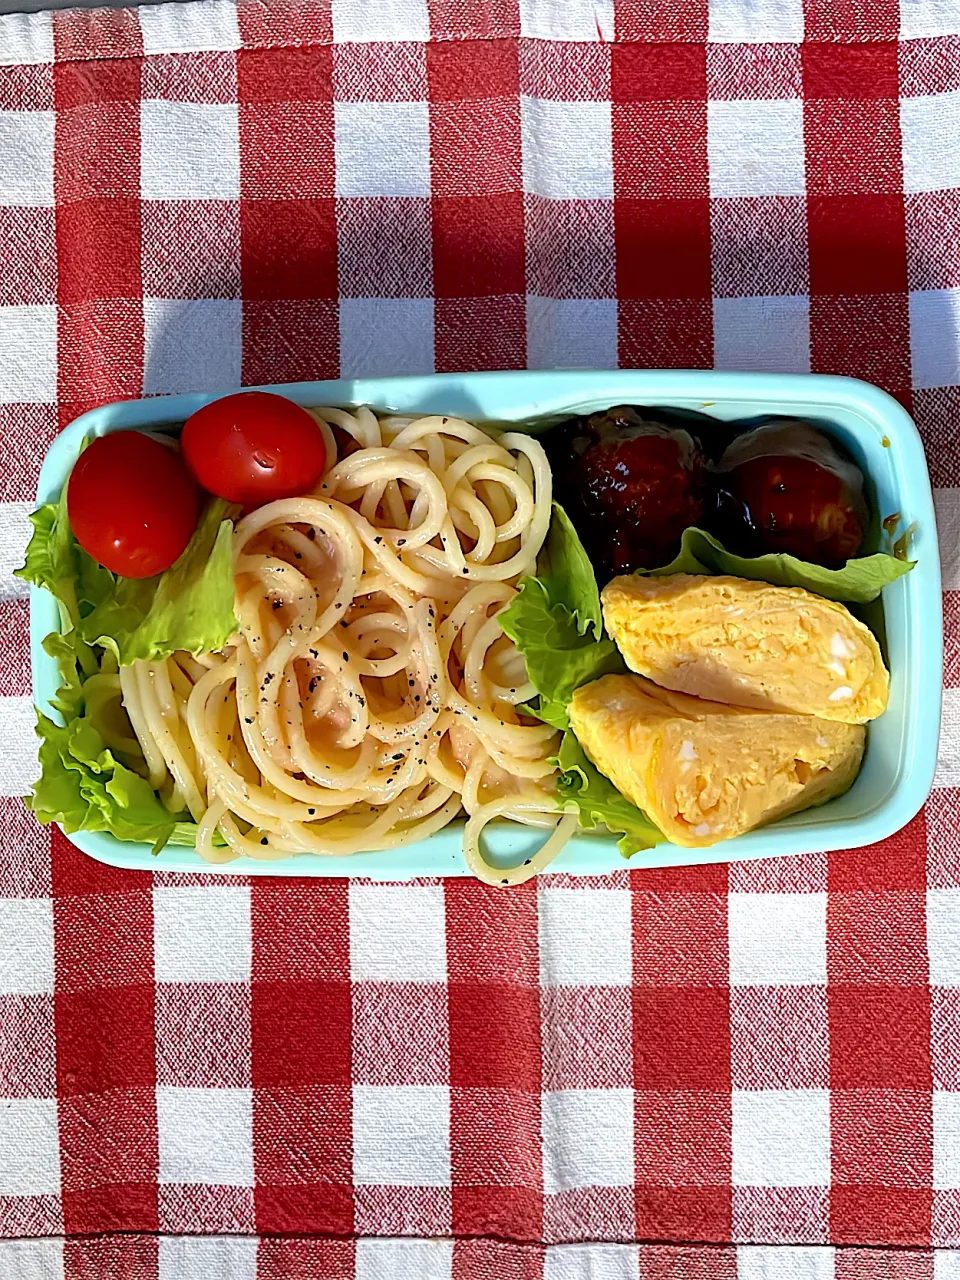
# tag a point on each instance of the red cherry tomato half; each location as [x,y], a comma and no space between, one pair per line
[254,447]
[132,504]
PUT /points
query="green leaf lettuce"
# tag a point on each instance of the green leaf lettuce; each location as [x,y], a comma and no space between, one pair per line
[84,783]
[93,776]
[84,787]
[566,574]
[56,561]
[559,659]
[858,582]
[555,622]
[599,802]
[190,606]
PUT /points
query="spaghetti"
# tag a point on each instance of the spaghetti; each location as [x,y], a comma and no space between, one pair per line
[370,695]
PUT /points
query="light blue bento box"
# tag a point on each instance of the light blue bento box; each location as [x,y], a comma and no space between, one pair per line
[901,745]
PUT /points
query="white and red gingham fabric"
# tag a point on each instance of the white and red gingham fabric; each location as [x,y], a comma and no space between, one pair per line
[753,1070]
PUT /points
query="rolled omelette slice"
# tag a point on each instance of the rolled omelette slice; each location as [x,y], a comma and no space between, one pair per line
[703,771]
[749,644]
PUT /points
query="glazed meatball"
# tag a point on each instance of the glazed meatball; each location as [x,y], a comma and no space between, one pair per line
[631,484]
[786,486]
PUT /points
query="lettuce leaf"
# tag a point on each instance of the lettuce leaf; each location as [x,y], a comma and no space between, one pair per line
[556,623]
[185,835]
[83,784]
[84,787]
[858,582]
[56,561]
[598,801]
[66,650]
[190,606]
[566,574]
[559,659]
[50,561]
[91,766]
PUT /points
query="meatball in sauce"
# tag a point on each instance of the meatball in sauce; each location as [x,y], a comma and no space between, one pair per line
[631,484]
[785,486]
[632,479]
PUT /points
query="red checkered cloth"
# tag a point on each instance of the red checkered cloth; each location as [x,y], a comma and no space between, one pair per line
[758,1055]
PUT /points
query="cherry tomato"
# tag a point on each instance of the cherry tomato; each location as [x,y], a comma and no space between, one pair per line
[253,447]
[132,504]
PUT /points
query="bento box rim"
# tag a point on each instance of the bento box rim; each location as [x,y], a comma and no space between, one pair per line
[543,395]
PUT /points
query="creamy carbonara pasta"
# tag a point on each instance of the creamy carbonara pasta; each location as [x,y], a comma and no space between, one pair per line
[370,696]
